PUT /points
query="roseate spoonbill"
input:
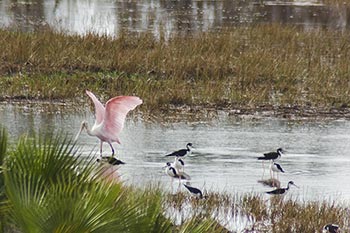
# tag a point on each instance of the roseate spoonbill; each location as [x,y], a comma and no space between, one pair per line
[183,152]
[109,120]
[195,191]
[282,190]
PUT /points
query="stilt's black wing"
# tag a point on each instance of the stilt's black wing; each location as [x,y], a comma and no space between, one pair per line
[277,191]
[269,156]
[194,190]
[178,153]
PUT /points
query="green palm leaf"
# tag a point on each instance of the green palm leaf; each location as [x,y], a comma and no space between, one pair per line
[52,189]
[3,149]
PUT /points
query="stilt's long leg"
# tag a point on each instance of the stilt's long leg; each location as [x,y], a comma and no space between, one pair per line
[271,169]
[262,162]
[172,190]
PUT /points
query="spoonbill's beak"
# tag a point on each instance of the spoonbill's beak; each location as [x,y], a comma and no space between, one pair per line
[82,126]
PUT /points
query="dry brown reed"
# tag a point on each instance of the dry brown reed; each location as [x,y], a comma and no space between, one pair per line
[262,213]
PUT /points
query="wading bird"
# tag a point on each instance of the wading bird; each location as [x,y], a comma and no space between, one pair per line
[183,152]
[109,120]
[173,173]
[282,190]
[271,156]
[195,191]
[276,168]
[179,165]
[330,228]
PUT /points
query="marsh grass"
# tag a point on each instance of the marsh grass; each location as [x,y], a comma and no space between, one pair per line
[259,213]
[260,65]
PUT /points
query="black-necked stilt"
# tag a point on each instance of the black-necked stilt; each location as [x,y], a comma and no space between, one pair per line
[330,228]
[179,165]
[282,190]
[272,156]
[276,168]
[195,191]
[111,160]
[171,171]
[183,152]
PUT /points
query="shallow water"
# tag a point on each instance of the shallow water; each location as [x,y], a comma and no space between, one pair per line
[226,147]
[110,16]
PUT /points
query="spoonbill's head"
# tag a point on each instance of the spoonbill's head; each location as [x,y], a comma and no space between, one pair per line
[84,125]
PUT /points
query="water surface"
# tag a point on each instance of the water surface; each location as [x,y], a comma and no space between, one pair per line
[111,16]
[224,159]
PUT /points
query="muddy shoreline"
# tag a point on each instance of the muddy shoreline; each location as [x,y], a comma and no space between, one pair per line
[199,112]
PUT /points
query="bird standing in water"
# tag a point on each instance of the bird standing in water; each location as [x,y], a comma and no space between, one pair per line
[282,190]
[171,171]
[271,156]
[276,168]
[110,119]
[195,191]
[182,152]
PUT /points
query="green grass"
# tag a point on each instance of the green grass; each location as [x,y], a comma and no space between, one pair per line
[264,65]
[48,187]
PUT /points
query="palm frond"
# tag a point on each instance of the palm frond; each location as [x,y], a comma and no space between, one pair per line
[50,188]
[200,225]
[3,149]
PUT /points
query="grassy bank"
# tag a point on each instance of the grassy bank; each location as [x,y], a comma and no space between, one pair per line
[46,186]
[260,65]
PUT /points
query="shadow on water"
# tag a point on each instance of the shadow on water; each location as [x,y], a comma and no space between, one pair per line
[110,17]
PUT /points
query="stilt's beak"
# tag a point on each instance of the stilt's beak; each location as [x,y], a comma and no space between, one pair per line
[296,185]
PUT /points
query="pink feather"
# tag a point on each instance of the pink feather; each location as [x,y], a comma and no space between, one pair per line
[116,110]
[99,108]
[110,119]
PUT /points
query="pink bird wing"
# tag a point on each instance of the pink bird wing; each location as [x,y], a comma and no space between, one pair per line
[99,108]
[116,110]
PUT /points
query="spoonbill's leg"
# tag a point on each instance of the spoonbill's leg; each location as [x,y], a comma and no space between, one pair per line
[101,143]
[110,144]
